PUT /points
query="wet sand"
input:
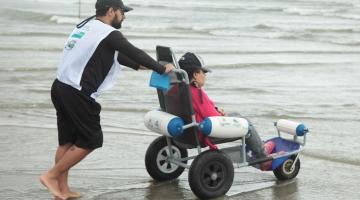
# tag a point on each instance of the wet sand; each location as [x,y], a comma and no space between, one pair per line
[117,171]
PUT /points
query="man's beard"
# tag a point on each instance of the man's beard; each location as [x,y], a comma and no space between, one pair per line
[116,24]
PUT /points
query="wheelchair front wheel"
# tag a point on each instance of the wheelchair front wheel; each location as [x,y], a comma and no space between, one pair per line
[211,174]
[285,172]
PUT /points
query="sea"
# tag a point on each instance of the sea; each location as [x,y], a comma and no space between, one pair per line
[270,60]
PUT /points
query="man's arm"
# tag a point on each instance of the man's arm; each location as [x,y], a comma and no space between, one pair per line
[117,41]
[124,60]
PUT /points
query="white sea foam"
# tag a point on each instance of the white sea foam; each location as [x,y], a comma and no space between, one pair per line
[65,19]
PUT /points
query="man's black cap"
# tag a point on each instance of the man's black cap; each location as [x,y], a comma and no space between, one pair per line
[104,4]
[191,62]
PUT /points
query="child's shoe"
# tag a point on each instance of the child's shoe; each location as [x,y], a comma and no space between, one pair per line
[269,148]
[208,143]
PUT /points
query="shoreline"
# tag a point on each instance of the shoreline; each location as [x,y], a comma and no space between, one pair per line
[117,171]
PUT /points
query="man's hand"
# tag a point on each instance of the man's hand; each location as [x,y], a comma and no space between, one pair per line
[169,67]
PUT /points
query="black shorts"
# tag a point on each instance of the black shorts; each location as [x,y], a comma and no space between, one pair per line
[78,117]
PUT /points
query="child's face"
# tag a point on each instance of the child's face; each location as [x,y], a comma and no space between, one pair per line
[200,78]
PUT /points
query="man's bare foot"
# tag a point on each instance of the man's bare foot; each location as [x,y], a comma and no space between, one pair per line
[60,198]
[52,185]
[72,194]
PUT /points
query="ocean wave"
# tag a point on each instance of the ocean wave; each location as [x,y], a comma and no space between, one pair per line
[301,116]
[332,158]
[271,64]
[306,30]
[24,15]
[35,126]
[313,11]
[334,30]
[264,27]
[215,30]
[347,105]
[126,109]
[268,31]
[292,36]
[345,42]
[199,6]
[127,131]
[283,114]
[306,36]
[310,37]
[21,105]
[241,89]
[40,34]
[34,16]
[344,16]
[18,105]
[244,52]
[39,91]
[342,11]
[49,49]
[331,9]
[65,19]
[68,2]
[27,69]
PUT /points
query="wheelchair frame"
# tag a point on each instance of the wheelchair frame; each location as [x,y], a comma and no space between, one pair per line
[227,158]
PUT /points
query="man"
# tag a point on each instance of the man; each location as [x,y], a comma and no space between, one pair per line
[89,65]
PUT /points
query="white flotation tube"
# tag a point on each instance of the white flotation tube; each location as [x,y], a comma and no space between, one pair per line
[291,127]
[224,127]
[164,123]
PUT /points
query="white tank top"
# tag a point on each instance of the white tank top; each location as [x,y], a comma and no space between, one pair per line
[77,52]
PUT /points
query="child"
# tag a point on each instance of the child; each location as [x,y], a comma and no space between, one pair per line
[204,107]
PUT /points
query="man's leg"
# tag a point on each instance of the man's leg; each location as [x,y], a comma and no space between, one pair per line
[63,179]
[71,157]
[64,187]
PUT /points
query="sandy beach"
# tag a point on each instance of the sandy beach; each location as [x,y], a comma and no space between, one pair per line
[296,60]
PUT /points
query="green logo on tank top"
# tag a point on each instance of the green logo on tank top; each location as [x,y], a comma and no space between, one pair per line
[78,35]
[75,37]
[70,44]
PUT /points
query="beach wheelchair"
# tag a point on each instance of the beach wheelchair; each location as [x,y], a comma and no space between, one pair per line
[211,172]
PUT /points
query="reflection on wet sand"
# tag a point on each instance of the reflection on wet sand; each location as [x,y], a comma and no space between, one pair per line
[246,186]
[172,190]
[151,190]
[289,192]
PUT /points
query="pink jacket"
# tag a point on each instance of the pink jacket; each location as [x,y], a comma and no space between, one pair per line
[203,106]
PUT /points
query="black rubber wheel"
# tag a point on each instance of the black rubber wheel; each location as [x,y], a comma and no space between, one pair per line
[155,160]
[284,171]
[211,174]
